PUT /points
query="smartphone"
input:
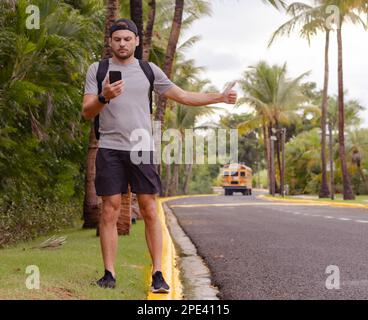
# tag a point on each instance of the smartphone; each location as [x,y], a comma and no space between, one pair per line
[114,76]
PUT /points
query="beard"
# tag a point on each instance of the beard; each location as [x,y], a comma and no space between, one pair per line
[122,55]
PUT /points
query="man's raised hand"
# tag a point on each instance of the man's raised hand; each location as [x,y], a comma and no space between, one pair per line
[111,91]
[230,96]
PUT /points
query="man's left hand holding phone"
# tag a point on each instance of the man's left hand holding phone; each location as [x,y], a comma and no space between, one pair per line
[113,87]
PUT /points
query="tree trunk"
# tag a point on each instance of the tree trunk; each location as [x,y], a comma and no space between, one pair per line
[174,181]
[175,177]
[92,203]
[111,16]
[272,163]
[268,135]
[324,191]
[347,190]
[266,146]
[147,41]
[136,14]
[167,179]
[278,155]
[125,217]
[170,54]
[135,213]
[188,171]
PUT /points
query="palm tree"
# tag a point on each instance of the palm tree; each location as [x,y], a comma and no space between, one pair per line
[136,14]
[352,109]
[92,205]
[170,54]
[278,4]
[347,189]
[193,10]
[147,42]
[274,99]
[164,50]
[112,9]
[347,13]
[181,118]
[311,20]
[356,139]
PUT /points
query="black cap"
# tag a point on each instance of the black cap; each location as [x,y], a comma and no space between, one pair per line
[124,24]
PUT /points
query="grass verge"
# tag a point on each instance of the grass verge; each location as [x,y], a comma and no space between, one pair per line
[67,272]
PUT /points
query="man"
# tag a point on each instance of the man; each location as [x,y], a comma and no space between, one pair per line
[123,107]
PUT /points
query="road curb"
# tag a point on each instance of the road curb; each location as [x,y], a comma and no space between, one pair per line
[337,204]
[170,267]
[195,274]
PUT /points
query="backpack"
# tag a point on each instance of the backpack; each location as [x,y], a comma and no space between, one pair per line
[103,66]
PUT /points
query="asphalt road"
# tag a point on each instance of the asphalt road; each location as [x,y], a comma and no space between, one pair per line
[258,249]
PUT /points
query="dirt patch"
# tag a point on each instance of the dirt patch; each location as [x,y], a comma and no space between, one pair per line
[63,293]
[49,293]
[133,266]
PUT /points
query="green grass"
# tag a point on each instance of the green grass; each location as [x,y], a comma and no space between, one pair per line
[338,198]
[67,272]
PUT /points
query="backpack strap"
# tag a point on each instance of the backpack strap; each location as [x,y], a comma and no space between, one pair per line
[103,66]
[145,66]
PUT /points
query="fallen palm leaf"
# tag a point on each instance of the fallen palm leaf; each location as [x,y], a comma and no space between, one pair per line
[51,243]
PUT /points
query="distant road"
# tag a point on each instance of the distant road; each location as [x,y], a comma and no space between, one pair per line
[258,249]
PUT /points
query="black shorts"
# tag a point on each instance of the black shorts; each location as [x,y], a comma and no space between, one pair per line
[115,170]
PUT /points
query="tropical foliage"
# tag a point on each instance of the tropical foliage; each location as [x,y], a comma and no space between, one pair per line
[43,139]
[311,20]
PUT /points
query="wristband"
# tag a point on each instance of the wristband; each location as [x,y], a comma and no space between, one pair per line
[102,99]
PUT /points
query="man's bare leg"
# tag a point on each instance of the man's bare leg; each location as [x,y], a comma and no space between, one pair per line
[153,229]
[108,230]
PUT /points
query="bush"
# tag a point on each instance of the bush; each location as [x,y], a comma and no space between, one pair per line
[262,179]
[217,182]
[201,182]
[33,217]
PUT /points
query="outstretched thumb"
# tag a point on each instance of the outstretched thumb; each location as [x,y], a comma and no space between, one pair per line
[230,86]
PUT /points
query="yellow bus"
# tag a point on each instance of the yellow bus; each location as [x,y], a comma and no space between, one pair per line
[237,177]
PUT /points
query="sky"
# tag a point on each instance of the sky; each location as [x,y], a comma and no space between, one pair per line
[236,36]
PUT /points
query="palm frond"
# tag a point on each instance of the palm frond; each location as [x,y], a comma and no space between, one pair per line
[278,4]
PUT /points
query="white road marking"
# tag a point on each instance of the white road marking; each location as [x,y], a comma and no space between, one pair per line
[262,204]
[274,205]
[362,221]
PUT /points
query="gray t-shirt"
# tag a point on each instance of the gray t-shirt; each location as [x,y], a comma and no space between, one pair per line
[129,111]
